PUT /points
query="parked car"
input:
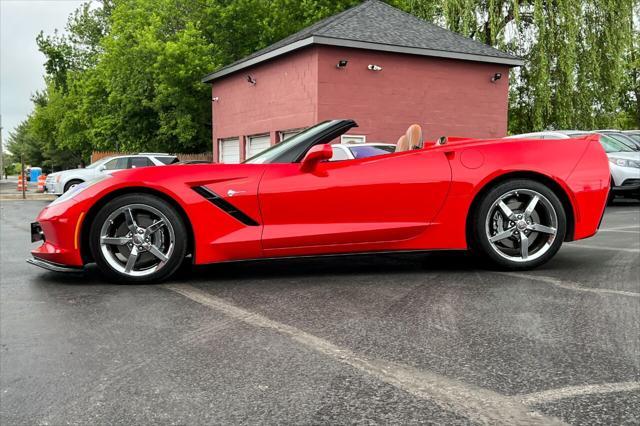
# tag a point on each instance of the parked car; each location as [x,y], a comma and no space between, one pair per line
[288,200]
[361,150]
[60,182]
[621,137]
[624,160]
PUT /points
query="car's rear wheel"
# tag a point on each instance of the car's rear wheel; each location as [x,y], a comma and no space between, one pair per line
[138,238]
[519,224]
[71,184]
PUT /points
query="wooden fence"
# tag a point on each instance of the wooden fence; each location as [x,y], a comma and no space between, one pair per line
[204,156]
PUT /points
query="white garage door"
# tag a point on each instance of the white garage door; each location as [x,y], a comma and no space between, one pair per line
[230,151]
[257,144]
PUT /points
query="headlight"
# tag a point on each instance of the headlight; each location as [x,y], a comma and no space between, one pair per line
[623,162]
[72,192]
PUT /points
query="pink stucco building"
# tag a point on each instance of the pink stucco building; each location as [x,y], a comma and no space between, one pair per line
[373,63]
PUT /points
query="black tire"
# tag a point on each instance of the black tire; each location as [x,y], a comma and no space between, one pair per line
[175,255]
[72,182]
[484,218]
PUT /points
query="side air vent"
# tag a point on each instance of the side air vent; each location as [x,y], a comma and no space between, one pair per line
[224,205]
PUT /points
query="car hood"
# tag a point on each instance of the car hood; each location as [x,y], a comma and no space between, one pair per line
[90,172]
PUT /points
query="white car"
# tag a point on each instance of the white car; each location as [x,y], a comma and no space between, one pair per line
[60,182]
[360,150]
[624,162]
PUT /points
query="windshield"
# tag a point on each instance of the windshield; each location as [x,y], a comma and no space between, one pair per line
[97,163]
[624,140]
[269,154]
[611,145]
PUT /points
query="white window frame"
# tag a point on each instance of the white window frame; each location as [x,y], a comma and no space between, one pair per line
[344,139]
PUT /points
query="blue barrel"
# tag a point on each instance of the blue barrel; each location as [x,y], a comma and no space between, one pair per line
[35,174]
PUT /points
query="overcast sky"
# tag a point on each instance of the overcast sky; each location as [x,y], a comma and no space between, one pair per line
[21,64]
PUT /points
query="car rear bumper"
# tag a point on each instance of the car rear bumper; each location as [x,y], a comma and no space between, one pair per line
[630,187]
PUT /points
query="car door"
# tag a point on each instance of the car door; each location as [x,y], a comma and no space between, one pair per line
[352,203]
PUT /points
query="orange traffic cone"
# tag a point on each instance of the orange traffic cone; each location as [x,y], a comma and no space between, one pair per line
[21,184]
[41,180]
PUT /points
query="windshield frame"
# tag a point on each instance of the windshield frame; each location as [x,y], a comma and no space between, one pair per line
[293,149]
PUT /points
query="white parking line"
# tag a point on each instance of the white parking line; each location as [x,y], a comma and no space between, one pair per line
[477,404]
[587,246]
[574,391]
[618,228]
[568,285]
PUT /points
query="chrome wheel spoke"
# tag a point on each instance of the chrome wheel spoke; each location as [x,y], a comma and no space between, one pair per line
[157,253]
[115,241]
[154,227]
[502,235]
[524,246]
[130,220]
[531,206]
[542,228]
[506,210]
[131,261]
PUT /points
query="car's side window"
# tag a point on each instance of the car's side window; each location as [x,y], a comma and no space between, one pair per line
[339,154]
[111,165]
[140,162]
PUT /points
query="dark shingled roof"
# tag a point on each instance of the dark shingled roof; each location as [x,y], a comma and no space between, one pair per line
[378,26]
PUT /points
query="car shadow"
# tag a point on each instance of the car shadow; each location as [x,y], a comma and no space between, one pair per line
[274,269]
[406,263]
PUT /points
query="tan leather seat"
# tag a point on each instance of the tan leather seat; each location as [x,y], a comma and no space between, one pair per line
[413,138]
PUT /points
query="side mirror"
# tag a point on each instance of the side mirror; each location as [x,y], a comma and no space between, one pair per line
[102,168]
[315,155]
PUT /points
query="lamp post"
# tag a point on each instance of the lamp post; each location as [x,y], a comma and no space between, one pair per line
[1,151]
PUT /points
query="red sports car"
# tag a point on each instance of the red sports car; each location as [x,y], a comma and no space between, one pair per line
[512,201]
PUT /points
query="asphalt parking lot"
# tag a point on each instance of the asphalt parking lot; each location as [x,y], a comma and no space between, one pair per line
[369,339]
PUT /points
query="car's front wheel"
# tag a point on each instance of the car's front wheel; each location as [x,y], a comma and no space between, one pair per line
[519,224]
[138,238]
[71,184]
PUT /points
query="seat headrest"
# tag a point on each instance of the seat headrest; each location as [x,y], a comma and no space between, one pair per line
[403,144]
[414,135]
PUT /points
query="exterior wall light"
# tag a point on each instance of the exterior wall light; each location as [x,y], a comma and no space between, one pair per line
[215,99]
[497,76]
[251,80]
[342,63]
[373,67]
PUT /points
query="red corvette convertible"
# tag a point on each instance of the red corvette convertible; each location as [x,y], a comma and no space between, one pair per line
[512,201]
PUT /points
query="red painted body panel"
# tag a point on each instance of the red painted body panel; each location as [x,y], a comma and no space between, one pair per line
[415,200]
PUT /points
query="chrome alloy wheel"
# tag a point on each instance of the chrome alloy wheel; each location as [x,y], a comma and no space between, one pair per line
[137,240]
[521,225]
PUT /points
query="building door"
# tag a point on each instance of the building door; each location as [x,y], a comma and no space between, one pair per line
[229,151]
[257,144]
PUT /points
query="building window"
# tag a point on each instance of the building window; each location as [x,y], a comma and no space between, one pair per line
[353,139]
[229,150]
[256,144]
[286,134]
